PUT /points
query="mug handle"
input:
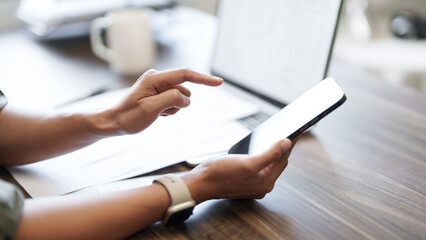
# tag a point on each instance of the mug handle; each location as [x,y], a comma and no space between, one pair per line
[98,47]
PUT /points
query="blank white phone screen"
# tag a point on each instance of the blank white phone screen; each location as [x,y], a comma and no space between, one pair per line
[278,48]
[316,101]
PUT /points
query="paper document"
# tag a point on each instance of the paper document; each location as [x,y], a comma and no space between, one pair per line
[207,126]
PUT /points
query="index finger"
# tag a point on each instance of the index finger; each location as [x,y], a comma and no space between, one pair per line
[177,76]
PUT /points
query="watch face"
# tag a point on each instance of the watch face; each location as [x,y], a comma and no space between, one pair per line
[179,217]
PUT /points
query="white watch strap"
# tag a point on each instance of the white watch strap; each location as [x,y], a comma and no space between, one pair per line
[178,191]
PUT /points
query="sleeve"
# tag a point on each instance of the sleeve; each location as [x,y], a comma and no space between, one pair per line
[11,204]
[3,100]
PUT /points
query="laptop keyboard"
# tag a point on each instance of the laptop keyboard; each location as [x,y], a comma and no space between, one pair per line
[254,120]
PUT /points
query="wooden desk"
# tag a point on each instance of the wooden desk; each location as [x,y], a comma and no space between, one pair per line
[361,174]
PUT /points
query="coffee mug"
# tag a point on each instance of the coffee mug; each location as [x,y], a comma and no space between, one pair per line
[131,49]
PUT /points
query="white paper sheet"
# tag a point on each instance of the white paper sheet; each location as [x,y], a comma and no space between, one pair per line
[207,126]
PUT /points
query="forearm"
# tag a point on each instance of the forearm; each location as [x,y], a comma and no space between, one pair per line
[27,137]
[117,215]
[103,216]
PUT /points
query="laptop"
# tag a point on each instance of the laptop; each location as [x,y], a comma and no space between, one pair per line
[273,49]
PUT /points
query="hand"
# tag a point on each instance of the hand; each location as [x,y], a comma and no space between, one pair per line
[239,176]
[157,93]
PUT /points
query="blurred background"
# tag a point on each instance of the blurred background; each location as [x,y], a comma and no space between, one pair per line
[384,36]
[387,37]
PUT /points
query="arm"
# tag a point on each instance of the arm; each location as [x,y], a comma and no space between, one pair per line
[93,216]
[27,138]
[117,215]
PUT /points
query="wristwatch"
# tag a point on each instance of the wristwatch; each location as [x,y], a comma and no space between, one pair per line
[182,203]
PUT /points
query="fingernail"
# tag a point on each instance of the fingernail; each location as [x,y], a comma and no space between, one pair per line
[285,144]
[186,101]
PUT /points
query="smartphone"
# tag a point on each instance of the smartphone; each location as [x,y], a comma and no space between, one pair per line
[294,119]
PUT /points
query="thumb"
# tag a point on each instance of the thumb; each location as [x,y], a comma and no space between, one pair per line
[171,98]
[271,155]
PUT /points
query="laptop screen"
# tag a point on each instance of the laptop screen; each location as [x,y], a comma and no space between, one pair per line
[276,49]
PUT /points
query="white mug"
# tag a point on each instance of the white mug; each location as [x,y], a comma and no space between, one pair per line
[131,49]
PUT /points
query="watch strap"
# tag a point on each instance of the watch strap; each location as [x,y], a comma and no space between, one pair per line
[178,191]
[182,203]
